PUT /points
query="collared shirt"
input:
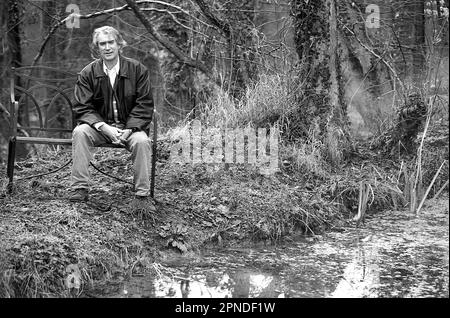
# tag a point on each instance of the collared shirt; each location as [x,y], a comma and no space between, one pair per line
[112,73]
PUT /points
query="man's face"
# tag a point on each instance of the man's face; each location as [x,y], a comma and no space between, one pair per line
[108,47]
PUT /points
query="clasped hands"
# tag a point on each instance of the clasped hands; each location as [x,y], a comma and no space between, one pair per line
[116,135]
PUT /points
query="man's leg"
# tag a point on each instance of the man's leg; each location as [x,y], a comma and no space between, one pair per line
[84,137]
[140,146]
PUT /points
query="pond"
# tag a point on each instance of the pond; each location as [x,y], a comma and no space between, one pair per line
[393,254]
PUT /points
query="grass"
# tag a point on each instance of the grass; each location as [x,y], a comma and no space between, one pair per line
[43,236]
[265,102]
[305,157]
[52,248]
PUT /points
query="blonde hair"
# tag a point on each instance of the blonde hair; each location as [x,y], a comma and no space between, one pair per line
[106,30]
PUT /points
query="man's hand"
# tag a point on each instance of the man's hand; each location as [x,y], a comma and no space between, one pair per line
[125,134]
[112,133]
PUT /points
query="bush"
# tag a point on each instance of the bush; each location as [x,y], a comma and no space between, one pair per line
[264,103]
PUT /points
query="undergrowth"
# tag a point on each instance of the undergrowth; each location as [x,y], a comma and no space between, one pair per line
[52,248]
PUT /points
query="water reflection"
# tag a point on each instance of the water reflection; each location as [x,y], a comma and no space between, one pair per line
[361,277]
[194,287]
[241,284]
[393,255]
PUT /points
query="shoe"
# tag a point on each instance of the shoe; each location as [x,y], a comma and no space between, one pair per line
[79,195]
[143,204]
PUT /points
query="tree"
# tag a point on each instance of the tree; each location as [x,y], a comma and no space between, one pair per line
[11,55]
[321,110]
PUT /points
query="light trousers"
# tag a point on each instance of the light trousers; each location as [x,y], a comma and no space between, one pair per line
[85,138]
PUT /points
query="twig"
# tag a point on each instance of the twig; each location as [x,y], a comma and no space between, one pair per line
[400,172]
[419,152]
[362,204]
[440,190]
[358,216]
[429,187]
[108,175]
[221,25]
[46,173]
[378,57]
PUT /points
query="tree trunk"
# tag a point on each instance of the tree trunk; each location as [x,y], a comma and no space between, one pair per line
[418,50]
[321,108]
[4,66]
[408,26]
[12,52]
[13,36]
[236,25]
[242,55]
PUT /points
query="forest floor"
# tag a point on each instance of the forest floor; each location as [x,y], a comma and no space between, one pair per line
[50,247]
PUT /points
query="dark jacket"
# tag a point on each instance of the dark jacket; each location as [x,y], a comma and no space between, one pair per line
[93,95]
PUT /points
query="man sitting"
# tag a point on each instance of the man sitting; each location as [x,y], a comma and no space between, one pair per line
[113,104]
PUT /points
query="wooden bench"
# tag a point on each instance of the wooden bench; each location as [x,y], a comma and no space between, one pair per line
[41,101]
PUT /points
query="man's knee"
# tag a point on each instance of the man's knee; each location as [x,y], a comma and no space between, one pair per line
[81,130]
[140,138]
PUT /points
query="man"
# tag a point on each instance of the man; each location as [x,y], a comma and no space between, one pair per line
[113,104]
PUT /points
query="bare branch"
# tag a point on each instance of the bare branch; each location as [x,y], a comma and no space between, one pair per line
[104,12]
[174,18]
[371,51]
[172,6]
[223,26]
[167,43]
[70,16]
